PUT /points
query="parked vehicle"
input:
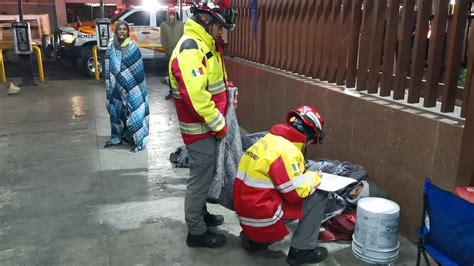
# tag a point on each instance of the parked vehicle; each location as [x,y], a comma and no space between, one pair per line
[74,42]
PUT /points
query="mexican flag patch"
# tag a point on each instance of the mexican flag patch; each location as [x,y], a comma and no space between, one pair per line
[197,72]
[295,168]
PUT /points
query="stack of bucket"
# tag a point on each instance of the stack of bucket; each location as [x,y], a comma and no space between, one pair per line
[375,239]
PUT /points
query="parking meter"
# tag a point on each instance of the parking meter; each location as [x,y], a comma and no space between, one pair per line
[102,29]
[21,38]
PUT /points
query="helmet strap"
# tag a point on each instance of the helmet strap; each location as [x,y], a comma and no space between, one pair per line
[200,21]
[303,129]
[305,150]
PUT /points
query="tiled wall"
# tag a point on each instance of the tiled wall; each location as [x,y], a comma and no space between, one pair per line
[398,146]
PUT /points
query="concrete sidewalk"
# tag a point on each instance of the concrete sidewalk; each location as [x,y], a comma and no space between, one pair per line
[65,200]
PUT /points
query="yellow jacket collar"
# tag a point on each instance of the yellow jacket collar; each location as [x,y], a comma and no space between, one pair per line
[299,145]
[290,134]
[193,29]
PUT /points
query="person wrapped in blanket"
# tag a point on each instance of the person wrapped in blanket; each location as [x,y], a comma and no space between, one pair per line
[340,220]
[126,91]
[364,188]
[272,186]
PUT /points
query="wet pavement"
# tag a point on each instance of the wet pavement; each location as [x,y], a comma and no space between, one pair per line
[62,69]
[65,200]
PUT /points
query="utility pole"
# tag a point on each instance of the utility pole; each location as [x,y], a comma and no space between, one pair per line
[26,67]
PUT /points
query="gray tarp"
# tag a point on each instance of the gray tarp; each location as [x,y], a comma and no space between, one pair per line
[229,152]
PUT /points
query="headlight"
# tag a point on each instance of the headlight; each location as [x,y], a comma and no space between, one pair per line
[68,38]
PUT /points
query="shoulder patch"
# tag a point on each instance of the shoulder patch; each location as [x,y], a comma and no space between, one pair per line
[209,55]
[188,44]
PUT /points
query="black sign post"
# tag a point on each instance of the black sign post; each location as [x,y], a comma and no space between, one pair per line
[102,9]
[22,47]
[102,27]
[21,38]
[103,35]
[181,10]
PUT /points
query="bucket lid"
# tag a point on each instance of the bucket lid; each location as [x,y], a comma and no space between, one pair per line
[378,205]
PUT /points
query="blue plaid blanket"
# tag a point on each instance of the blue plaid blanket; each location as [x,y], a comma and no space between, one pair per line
[127,96]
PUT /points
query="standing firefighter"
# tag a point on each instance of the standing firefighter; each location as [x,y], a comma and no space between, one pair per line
[171,31]
[272,186]
[198,83]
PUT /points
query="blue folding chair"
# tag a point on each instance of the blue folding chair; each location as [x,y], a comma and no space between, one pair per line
[447,228]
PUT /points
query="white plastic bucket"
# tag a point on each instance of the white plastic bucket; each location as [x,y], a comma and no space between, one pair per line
[375,239]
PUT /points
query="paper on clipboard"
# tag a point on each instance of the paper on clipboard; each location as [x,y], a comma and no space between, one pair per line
[331,183]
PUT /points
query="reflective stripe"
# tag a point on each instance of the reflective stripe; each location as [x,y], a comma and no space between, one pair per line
[215,123]
[199,128]
[193,128]
[255,182]
[286,187]
[294,183]
[217,87]
[175,92]
[299,180]
[263,222]
[218,90]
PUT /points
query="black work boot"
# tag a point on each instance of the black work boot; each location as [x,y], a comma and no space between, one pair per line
[169,96]
[207,240]
[250,245]
[213,220]
[300,256]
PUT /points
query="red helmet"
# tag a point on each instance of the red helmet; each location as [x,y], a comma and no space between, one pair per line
[172,10]
[311,118]
[221,10]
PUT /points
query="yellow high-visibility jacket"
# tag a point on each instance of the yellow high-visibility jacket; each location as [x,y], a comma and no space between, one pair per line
[197,79]
[272,183]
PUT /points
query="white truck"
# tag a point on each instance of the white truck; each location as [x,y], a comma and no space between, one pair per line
[74,42]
